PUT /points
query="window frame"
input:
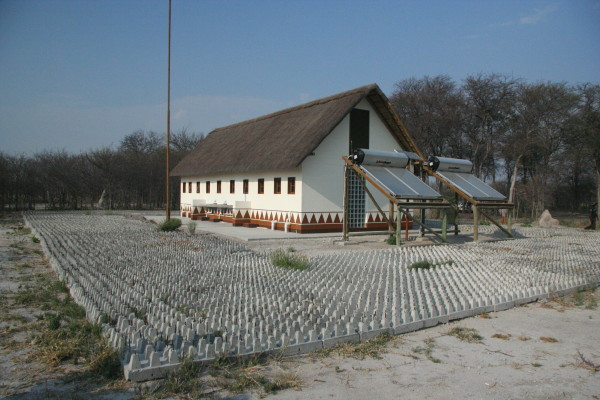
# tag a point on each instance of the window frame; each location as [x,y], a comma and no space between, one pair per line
[245,186]
[207,187]
[291,188]
[232,186]
[276,185]
[261,186]
[219,187]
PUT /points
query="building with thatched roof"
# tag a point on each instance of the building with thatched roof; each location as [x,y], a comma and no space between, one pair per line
[285,170]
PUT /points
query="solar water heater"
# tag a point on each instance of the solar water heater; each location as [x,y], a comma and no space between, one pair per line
[457,172]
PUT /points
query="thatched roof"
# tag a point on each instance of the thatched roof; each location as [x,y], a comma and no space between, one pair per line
[284,139]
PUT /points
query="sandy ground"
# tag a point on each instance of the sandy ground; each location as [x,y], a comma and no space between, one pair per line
[517,364]
[22,376]
[536,353]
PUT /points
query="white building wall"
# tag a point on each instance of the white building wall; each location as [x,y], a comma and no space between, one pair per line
[323,173]
[266,201]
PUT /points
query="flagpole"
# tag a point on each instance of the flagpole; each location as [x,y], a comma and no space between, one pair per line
[169,117]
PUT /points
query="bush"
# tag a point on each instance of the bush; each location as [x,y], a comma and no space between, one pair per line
[170,225]
[485,223]
[421,264]
[191,227]
[425,264]
[105,363]
[35,239]
[281,258]
[391,240]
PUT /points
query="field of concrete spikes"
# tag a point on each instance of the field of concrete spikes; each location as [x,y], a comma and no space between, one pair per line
[165,296]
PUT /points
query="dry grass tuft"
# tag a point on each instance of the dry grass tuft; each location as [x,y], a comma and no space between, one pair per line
[583,362]
[371,348]
[469,335]
[239,376]
[428,351]
[501,336]
[548,339]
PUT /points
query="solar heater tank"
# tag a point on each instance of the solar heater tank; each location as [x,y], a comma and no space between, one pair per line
[380,158]
[449,164]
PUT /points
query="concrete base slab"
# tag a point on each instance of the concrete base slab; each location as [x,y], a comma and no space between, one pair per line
[429,322]
[146,374]
[296,349]
[328,343]
[364,336]
[504,306]
[460,315]
[410,327]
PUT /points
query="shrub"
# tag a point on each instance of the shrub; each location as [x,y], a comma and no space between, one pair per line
[170,225]
[421,264]
[35,239]
[466,334]
[53,321]
[191,227]
[425,264]
[281,258]
[105,363]
[391,240]
[485,223]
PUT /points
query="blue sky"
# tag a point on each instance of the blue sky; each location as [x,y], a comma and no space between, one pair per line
[81,74]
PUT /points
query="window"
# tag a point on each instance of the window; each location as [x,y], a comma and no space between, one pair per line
[190,188]
[207,186]
[218,186]
[261,186]
[291,185]
[246,186]
[197,187]
[277,186]
[359,129]
[183,186]
[232,186]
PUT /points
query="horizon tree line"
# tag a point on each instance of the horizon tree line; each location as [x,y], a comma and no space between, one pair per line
[128,176]
[539,143]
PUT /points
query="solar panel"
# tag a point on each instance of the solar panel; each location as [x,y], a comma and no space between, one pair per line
[400,182]
[471,185]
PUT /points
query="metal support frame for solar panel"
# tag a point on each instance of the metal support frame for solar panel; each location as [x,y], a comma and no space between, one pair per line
[456,175]
[386,172]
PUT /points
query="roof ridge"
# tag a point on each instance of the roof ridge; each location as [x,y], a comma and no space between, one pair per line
[312,103]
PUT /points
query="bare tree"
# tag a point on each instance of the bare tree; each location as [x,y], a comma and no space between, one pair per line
[432,111]
[542,112]
[490,98]
[588,118]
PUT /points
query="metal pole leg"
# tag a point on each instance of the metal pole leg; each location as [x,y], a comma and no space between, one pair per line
[345,225]
[398,227]
[475,223]
[444,223]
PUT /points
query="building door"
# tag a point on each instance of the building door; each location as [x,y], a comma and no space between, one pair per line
[359,139]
